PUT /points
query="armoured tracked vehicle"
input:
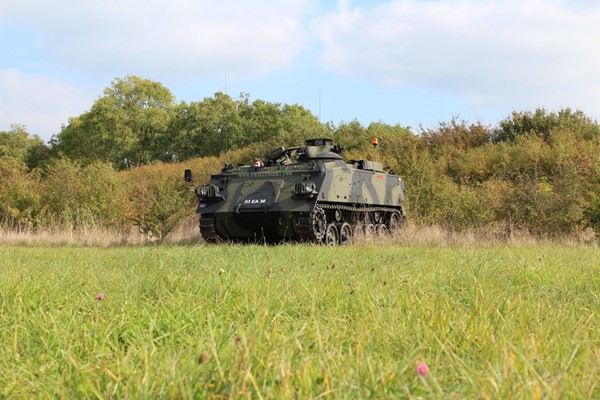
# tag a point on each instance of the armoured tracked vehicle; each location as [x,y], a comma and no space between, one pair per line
[308,194]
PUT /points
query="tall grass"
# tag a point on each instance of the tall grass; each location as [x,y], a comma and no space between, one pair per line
[290,321]
[186,232]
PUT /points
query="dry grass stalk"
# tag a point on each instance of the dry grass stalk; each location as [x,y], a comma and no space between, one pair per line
[186,232]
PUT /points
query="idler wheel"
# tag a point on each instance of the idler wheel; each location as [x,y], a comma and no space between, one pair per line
[332,236]
[207,229]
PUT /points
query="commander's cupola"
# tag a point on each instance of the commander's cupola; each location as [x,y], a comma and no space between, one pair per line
[321,149]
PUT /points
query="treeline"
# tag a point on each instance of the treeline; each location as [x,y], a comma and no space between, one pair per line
[120,164]
[537,172]
[137,122]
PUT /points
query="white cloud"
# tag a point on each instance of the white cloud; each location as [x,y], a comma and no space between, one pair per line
[186,37]
[511,53]
[41,104]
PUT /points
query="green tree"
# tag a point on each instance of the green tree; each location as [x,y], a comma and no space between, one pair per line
[455,136]
[218,124]
[127,126]
[352,136]
[543,124]
[298,124]
[287,125]
[17,143]
[205,128]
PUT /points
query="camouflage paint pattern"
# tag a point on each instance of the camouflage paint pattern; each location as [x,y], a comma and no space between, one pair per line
[250,203]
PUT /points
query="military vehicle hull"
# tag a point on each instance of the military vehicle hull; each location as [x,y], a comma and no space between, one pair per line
[313,197]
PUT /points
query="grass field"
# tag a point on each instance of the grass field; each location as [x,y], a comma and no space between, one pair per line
[299,321]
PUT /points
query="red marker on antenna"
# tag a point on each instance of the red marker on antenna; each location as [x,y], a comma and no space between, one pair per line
[374,142]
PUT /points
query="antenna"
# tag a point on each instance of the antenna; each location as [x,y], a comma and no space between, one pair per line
[319,104]
[226,123]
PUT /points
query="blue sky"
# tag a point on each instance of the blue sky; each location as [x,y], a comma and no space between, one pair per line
[408,62]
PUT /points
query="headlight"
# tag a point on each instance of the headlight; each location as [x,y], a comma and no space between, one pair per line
[208,191]
[305,189]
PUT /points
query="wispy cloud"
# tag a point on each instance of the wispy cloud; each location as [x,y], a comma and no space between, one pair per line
[41,103]
[518,53]
[474,57]
[189,37]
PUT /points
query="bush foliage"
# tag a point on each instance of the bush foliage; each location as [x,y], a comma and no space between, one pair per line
[120,164]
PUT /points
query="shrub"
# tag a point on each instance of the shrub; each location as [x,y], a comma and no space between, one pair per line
[75,196]
[157,196]
[19,194]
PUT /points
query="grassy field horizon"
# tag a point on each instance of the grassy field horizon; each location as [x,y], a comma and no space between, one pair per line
[298,321]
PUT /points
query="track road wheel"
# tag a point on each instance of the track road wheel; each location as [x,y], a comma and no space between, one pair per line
[370,231]
[358,230]
[345,233]
[318,223]
[332,236]
[382,230]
